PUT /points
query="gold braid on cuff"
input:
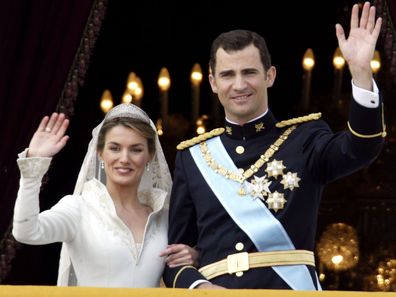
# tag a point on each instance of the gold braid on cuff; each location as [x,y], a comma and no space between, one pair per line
[179,272]
[380,134]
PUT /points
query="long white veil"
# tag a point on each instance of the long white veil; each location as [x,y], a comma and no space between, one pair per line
[157,177]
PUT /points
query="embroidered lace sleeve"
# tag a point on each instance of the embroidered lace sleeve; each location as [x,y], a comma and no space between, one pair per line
[32,227]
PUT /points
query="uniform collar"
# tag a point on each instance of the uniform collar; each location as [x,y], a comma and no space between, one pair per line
[251,129]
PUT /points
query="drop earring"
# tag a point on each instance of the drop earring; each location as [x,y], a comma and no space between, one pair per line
[148,166]
[101,164]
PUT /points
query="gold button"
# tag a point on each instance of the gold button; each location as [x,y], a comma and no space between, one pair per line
[240,149]
[239,246]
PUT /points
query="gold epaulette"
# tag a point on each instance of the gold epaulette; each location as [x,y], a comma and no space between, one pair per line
[299,120]
[197,139]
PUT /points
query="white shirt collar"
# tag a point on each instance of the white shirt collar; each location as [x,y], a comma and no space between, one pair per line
[263,114]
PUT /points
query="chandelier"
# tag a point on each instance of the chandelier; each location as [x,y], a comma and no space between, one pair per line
[338,247]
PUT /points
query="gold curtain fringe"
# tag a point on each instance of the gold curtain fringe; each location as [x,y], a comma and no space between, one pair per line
[8,249]
[76,76]
[388,34]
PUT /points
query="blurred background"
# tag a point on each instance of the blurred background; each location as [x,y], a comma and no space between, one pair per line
[80,56]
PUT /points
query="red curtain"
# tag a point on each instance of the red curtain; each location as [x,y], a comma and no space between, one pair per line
[43,60]
[387,9]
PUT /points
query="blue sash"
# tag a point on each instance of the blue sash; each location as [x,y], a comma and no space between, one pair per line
[251,215]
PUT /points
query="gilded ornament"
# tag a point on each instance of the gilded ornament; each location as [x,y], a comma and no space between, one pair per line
[239,246]
[275,168]
[240,149]
[290,181]
[241,191]
[259,127]
[276,201]
[195,140]
[259,187]
[299,120]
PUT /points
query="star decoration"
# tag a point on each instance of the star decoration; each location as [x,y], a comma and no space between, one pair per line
[276,201]
[290,181]
[259,187]
[275,168]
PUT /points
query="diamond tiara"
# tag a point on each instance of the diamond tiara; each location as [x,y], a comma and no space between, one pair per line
[127,110]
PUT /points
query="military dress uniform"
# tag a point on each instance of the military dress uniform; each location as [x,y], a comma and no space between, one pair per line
[271,174]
